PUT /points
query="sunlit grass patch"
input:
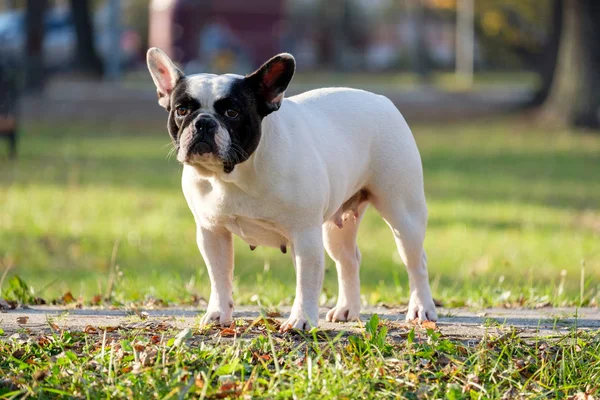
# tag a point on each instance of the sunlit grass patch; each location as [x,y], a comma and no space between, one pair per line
[514,220]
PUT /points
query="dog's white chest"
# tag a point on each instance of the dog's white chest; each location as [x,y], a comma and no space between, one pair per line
[215,205]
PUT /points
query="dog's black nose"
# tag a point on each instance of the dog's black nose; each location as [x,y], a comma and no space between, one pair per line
[206,125]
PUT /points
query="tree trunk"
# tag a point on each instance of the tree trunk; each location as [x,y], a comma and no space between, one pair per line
[87,60]
[549,56]
[421,52]
[34,47]
[574,97]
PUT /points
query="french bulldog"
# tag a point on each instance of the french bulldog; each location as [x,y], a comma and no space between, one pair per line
[296,174]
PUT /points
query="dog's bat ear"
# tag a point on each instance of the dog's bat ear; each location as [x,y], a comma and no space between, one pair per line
[271,80]
[164,74]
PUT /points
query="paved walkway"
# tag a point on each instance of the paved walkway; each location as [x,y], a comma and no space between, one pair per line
[460,324]
[111,101]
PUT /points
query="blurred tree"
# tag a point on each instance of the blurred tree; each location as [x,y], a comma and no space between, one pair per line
[87,60]
[421,56]
[549,56]
[34,49]
[574,96]
[137,16]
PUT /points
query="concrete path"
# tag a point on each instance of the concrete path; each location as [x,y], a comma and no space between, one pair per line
[110,101]
[460,324]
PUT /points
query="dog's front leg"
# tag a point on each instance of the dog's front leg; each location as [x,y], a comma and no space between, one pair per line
[216,247]
[309,261]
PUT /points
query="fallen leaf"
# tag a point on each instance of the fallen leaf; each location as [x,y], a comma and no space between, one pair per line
[139,347]
[22,320]
[90,329]
[18,353]
[264,357]
[155,339]
[43,341]
[228,389]
[96,300]
[68,298]
[39,375]
[227,332]
[429,325]
[199,381]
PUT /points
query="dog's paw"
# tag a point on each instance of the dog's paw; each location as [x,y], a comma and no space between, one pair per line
[343,313]
[421,308]
[300,322]
[216,316]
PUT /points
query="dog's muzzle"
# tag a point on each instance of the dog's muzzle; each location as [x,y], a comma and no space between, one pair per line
[203,139]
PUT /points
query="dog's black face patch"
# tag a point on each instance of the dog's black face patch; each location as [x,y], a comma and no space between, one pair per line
[245,129]
[222,114]
[230,102]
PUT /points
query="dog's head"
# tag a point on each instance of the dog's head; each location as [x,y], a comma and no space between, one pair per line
[215,120]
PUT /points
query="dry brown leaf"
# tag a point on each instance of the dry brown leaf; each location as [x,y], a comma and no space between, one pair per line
[263,357]
[68,298]
[96,300]
[90,329]
[429,325]
[43,341]
[39,375]
[228,389]
[227,332]
[18,353]
[22,320]
[155,339]
[199,381]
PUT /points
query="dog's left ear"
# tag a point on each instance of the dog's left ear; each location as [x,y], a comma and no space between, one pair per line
[271,80]
[164,74]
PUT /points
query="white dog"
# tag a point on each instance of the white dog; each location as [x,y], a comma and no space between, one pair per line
[294,173]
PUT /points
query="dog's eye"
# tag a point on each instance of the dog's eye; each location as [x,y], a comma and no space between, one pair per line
[231,113]
[182,111]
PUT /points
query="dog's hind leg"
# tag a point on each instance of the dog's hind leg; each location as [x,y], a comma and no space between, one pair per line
[408,221]
[340,244]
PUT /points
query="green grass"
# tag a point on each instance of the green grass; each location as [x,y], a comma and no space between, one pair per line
[261,363]
[511,206]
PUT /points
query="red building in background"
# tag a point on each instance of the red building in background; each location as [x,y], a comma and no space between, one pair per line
[214,32]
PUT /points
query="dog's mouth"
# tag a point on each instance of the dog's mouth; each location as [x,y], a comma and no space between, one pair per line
[199,148]
[199,152]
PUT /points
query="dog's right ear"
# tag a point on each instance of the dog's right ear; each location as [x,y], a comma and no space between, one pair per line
[164,74]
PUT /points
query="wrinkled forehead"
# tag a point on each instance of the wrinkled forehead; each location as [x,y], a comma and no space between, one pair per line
[207,88]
